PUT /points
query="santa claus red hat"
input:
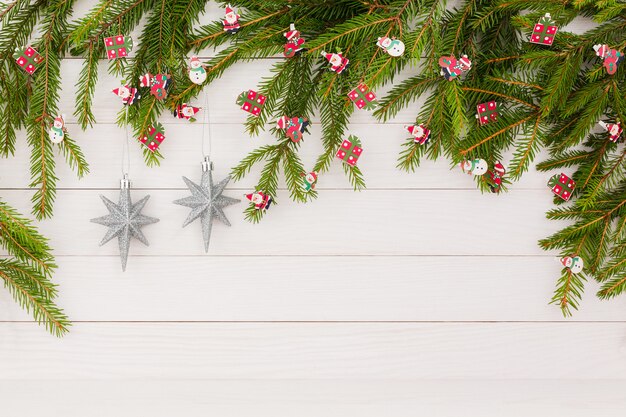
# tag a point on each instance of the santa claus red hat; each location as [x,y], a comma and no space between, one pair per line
[282,122]
[116,91]
[465,61]
[601,50]
[313,174]
[249,196]
[59,118]
[229,8]
[292,32]
[194,59]
[567,261]
[327,55]
[144,80]
[499,168]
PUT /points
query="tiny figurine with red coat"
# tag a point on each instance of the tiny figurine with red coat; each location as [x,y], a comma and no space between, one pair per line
[293,126]
[159,84]
[614,130]
[420,134]
[338,63]
[260,200]
[611,57]
[186,111]
[294,42]
[494,177]
[452,68]
[128,94]
[231,20]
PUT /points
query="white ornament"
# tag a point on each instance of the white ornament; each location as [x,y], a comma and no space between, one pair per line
[197,73]
[392,46]
[475,167]
[57,130]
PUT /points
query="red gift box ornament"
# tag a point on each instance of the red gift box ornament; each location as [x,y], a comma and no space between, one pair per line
[28,59]
[251,101]
[293,126]
[420,134]
[487,112]
[544,31]
[118,46]
[614,130]
[156,135]
[562,186]
[350,150]
[294,42]
[363,97]
[611,58]
[159,84]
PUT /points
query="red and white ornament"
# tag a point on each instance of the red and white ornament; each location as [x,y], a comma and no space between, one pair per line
[611,58]
[118,46]
[614,130]
[476,167]
[231,20]
[495,176]
[392,46]
[197,71]
[128,94]
[309,181]
[452,68]
[159,84]
[57,130]
[420,134]
[294,126]
[544,31]
[487,112]
[338,63]
[573,263]
[260,200]
[294,42]
[186,111]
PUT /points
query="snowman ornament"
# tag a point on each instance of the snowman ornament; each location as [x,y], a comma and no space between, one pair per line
[197,72]
[475,167]
[57,130]
[394,47]
[573,263]
[309,180]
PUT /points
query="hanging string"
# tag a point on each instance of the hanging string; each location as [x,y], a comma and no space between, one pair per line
[125,148]
[206,120]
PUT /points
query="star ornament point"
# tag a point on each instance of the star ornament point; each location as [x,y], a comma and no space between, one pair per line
[206,203]
[124,221]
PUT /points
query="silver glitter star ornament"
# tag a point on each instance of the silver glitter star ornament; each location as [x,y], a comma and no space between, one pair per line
[206,201]
[124,220]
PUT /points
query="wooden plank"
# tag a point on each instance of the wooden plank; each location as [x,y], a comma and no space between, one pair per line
[102,147]
[314,288]
[315,351]
[238,398]
[346,223]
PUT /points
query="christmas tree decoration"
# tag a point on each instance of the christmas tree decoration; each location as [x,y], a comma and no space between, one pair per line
[28,59]
[128,94]
[231,20]
[391,46]
[544,31]
[156,135]
[363,97]
[614,130]
[57,130]
[487,112]
[159,84]
[196,71]
[476,167]
[451,68]
[187,112]
[124,220]
[206,201]
[573,263]
[294,42]
[562,186]
[118,46]
[251,101]
[419,132]
[350,150]
[309,180]
[338,63]
[294,126]
[260,199]
[494,177]
[611,58]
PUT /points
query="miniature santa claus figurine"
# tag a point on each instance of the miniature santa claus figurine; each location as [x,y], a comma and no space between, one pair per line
[197,72]
[495,176]
[260,200]
[187,112]
[614,129]
[337,62]
[231,20]
[474,167]
[573,263]
[128,94]
[294,42]
[611,57]
[392,46]
[57,130]
[294,126]
[309,180]
[420,134]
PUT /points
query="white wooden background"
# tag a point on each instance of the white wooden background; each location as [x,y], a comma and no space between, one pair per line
[433,303]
